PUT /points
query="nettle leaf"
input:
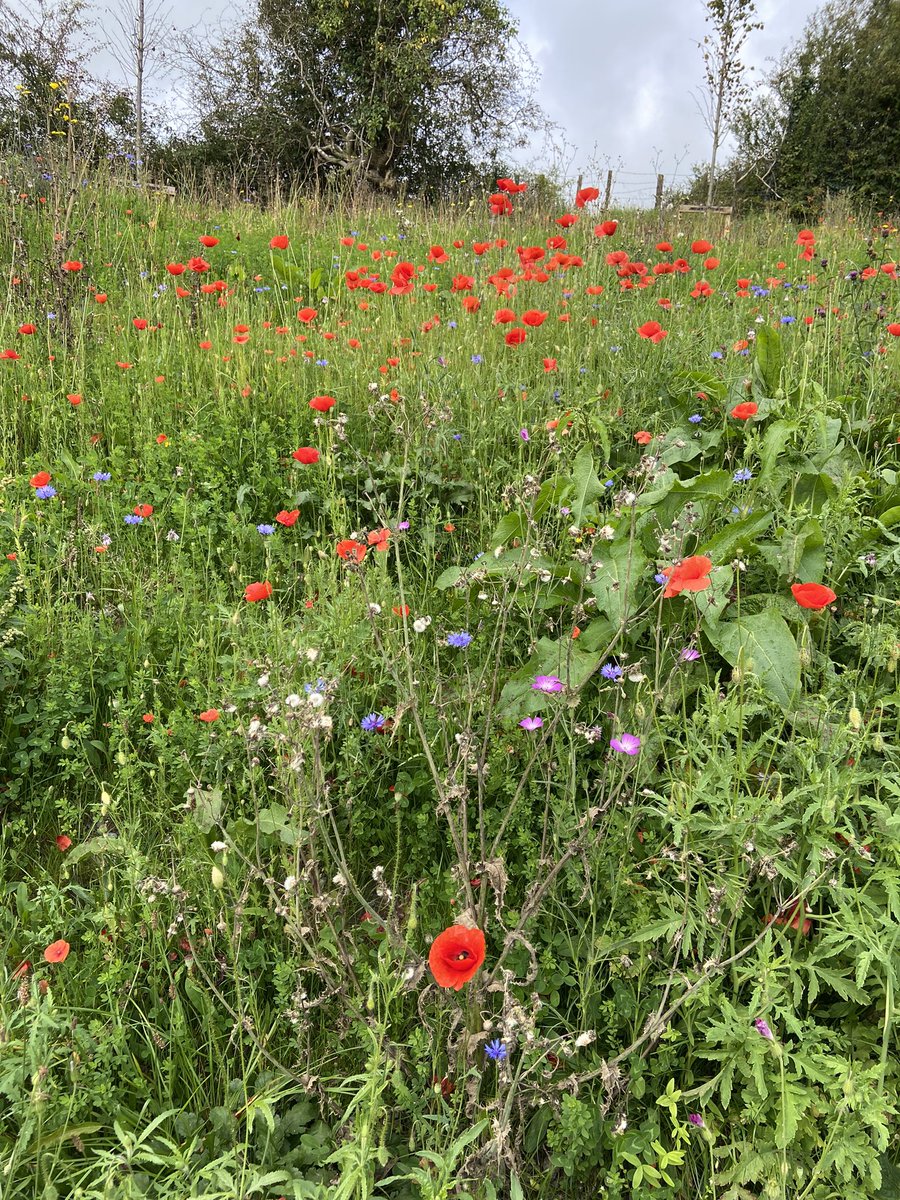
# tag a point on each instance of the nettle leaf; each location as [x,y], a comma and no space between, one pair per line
[764,646]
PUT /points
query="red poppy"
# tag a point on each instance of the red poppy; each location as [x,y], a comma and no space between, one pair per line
[348,549]
[148,718]
[41,479]
[653,331]
[198,264]
[894,329]
[10,354]
[139,323]
[584,196]
[287,519]
[72,265]
[533,317]
[63,843]
[516,337]
[101,297]
[701,247]
[22,970]
[254,592]
[793,918]
[813,595]
[455,956]
[643,438]
[280,242]
[549,364]
[400,610]
[57,952]
[175,268]
[306,455]
[211,714]
[379,538]
[27,329]
[743,412]
[606,228]
[664,247]
[504,316]
[471,303]
[567,220]
[143,510]
[307,314]
[322,403]
[691,575]
[208,241]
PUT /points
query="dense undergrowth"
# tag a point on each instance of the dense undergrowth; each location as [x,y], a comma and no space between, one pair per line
[529,657]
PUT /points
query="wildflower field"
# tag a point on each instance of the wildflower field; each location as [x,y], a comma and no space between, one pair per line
[448,702]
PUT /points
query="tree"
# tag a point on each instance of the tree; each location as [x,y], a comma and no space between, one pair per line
[732,23]
[138,45]
[387,92]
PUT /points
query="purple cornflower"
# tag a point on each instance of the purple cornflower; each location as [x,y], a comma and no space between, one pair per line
[547,683]
[611,671]
[628,743]
[372,723]
[696,1119]
[403,525]
[660,578]
[744,475]
[459,640]
[530,724]
[265,530]
[476,359]
[133,519]
[695,419]
[47,492]
[496,1050]
[102,477]
[689,654]
[763,1029]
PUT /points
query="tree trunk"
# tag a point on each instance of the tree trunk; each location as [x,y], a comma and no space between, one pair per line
[139,56]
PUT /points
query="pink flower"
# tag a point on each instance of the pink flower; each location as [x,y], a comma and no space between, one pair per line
[531,723]
[628,743]
[547,683]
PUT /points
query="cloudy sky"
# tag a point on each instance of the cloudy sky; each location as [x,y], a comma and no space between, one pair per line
[617,77]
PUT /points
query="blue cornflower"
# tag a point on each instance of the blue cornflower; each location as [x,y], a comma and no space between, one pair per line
[451,324]
[265,530]
[47,492]
[372,723]
[743,475]
[695,419]
[716,354]
[459,640]
[457,437]
[788,320]
[477,358]
[133,519]
[608,483]
[496,1050]
[660,578]
[102,477]
[611,671]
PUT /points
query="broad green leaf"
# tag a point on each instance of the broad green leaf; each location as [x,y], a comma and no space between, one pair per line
[761,645]
[769,357]
[616,585]
[585,483]
[776,437]
[721,547]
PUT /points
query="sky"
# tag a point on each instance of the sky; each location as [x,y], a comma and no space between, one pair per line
[616,77]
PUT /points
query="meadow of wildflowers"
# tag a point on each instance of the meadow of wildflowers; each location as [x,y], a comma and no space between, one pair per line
[448,701]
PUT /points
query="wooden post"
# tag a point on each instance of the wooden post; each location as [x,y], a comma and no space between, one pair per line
[609,183]
[660,183]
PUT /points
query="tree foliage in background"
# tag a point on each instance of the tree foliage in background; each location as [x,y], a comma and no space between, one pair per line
[400,92]
[828,119]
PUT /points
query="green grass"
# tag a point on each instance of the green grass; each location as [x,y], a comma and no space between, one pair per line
[246,1007]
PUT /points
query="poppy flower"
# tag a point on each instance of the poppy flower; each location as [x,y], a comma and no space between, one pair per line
[143,510]
[72,265]
[139,323]
[643,438]
[63,843]
[198,264]
[584,196]
[254,592]
[322,403]
[10,354]
[148,718]
[456,955]
[516,337]
[74,399]
[306,455]
[287,519]
[379,538]
[567,220]
[533,317]
[504,316]
[211,714]
[57,952]
[793,918]
[208,241]
[701,247]
[307,314]
[813,595]
[691,575]
[664,247]
[280,242]
[549,364]
[41,479]
[27,329]
[894,329]
[175,268]
[348,549]
[653,331]
[606,228]
[743,412]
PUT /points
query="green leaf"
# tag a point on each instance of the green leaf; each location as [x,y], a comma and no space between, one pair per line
[585,483]
[776,437]
[616,584]
[722,546]
[764,646]
[512,525]
[769,357]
